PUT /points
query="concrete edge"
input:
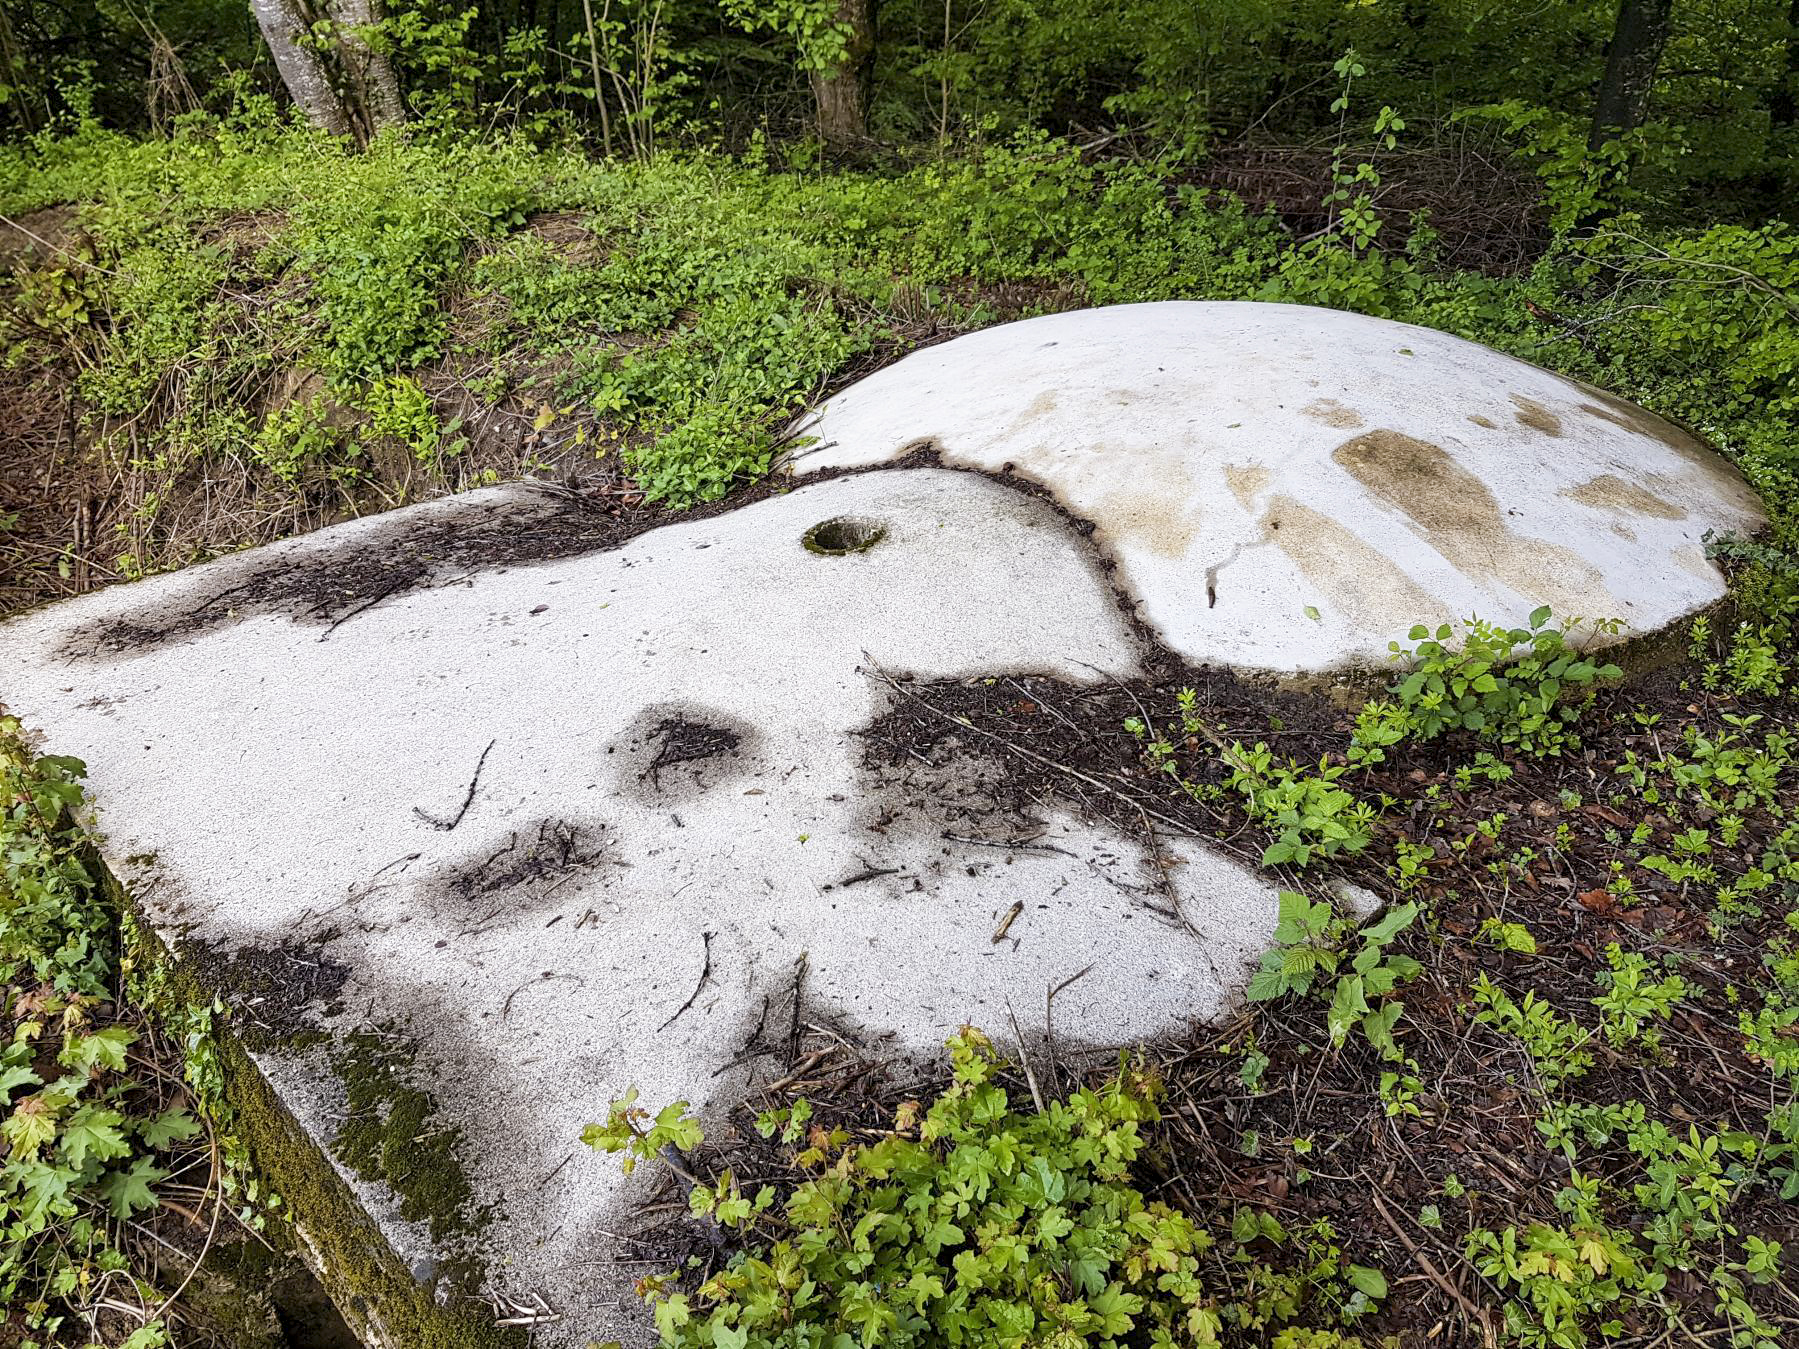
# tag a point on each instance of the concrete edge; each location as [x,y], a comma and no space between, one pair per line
[326,1225]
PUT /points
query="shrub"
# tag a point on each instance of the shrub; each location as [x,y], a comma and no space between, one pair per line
[81,1144]
[1528,702]
[972,1223]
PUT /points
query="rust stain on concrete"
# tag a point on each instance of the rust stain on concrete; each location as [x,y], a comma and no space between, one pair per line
[1610,492]
[1332,413]
[1040,408]
[1160,512]
[1462,519]
[1534,415]
[1712,466]
[1351,573]
[1247,482]
[1691,557]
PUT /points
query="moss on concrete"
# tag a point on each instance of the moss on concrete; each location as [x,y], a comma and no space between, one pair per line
[393,1135]
[326,1223]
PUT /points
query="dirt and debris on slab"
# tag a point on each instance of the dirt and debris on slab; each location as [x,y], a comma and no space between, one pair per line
[1393,1162]
[280,993]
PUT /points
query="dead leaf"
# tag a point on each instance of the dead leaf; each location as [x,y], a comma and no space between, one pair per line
[1596,901]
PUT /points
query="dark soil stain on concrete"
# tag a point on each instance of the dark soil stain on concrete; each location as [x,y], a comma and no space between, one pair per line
[522,871]
[276,992]
[331,587]
[336,584]
[679,741]
[676,751]
[927,758]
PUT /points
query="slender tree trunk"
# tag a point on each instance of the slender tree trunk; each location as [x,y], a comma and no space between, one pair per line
[842,93]
[599,88]
[371,71]
[301,69]
[1638,36]
[1784,106]
[9,68]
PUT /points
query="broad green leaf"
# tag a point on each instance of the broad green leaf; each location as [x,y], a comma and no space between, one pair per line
[171,1126]
[93,1134]
[16,1076]
[103,1049]
[1368,1279]
[126,1192]
[30,1127]
[1392,924]
[1346,1008]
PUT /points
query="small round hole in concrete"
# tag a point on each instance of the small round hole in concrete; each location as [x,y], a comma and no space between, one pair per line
[844,534]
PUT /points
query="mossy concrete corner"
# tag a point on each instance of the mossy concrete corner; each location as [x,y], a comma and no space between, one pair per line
[316,1211]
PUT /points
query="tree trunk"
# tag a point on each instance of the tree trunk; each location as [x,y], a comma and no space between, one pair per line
[9,69]
[377,87]
[1784,106]
[301,69]
[1640,33]
[842,93]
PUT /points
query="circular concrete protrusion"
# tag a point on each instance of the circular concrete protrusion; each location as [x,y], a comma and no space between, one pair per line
[1287,488]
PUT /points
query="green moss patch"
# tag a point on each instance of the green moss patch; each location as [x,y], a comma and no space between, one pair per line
[393,1136]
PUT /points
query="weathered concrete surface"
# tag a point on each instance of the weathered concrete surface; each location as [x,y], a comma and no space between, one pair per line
[487,824]
[1248,465]
[479,819]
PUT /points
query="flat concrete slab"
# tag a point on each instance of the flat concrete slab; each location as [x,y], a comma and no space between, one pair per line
[519,834]
[1288,489]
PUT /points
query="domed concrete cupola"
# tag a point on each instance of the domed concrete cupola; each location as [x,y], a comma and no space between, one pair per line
[1287,488]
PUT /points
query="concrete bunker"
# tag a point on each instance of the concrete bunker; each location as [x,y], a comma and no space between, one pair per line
[598,810]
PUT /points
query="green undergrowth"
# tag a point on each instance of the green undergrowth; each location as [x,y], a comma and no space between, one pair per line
[92,1126]
[245,296]
[1577,1109]
[1518,689]
[975,1221]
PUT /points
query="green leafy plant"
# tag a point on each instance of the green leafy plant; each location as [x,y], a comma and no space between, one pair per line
[1530,702]
[972,1222]
[1350,201]
[1311,814]
[967,1220]
[1558,1048]
[1566,1279]
[1311,958]
[1634,1000]
[81,1144]
[1514,937]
